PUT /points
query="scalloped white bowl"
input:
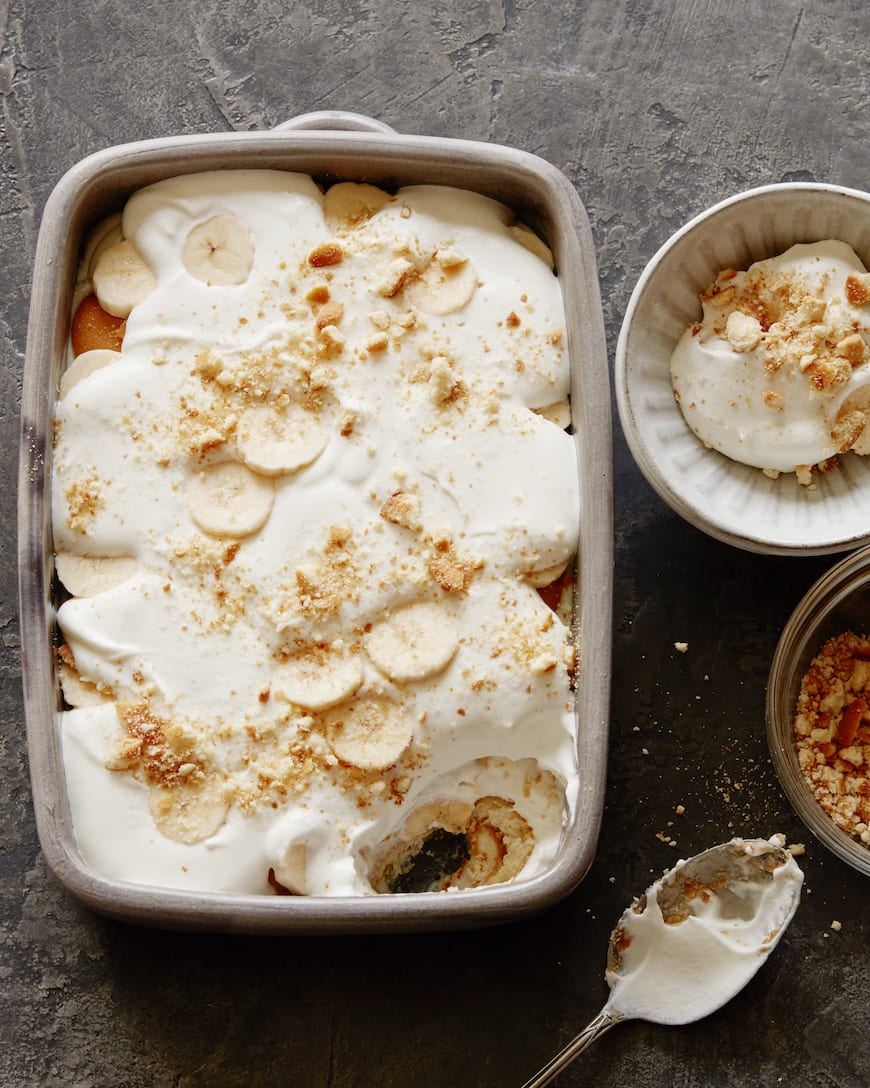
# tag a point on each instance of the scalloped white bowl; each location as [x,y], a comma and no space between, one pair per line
[729,501]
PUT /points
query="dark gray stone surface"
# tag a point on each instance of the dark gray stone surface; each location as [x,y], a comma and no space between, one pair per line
[655,110]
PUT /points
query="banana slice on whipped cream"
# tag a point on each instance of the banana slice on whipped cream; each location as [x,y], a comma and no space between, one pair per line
[446,284]
[319,677]
[350,204]
[227,499]
[274,441]
[369,733]
[219,252]
[415,642]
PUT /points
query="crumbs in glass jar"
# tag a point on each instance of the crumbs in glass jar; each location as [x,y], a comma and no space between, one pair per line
[832,730]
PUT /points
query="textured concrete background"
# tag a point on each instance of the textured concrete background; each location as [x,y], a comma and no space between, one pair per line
[654,110]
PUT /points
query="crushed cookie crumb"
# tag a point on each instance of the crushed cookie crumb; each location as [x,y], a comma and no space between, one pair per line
[452,570]
[395,276]
[858,288]
[330,313]
[84,501]
[403,508]
[318,294]
[832,731]
[743,331]
[333,578]
[328,254]
[853,348]
[847,429]
[445,387]
[775,401]
[377,343]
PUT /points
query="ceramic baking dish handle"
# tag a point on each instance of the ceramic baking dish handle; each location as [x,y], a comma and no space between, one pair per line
[343,120]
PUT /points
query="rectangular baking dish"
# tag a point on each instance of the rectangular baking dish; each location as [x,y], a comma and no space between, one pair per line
[329,145]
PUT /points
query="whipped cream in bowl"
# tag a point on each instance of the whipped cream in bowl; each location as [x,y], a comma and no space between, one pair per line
[742,370]
[775,374]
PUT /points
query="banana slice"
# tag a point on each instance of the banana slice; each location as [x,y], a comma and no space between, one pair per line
[228,500]
[530,241]
[78,692]
[318,678]
[443,287]
[85,364]
[273,442]
[350,204]
[219,251]
[93,328]
[369,733]
[290,870]
[415,642]
[449,815]
[188,813]
[88,575]
[558,413]
[547,575]
[104,235]
[500,843]
[122,279]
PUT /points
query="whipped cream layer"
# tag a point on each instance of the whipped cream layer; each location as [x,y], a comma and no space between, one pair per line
[776,374]
[677,970]
[302,513]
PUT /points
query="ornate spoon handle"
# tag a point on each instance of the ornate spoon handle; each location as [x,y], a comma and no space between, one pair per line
[602,1022]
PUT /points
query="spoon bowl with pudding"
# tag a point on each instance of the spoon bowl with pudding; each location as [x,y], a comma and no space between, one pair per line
[693,940]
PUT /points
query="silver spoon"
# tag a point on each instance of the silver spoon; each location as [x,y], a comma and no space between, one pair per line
[693,939]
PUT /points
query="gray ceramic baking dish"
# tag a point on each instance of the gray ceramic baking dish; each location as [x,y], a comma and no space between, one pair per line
[328,145]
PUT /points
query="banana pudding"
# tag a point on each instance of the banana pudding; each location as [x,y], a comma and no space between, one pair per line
[777,373]
[313,503]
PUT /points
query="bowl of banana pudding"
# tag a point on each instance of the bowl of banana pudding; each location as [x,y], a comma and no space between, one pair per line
[743,370]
